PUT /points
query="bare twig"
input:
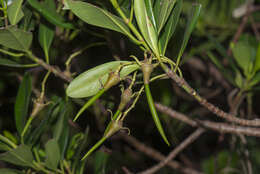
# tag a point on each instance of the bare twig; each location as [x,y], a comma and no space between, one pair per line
[175,152]
[48,67]
[157,155]
[219,127]
[229,117]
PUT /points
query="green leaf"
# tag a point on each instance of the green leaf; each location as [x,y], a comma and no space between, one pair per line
[52,154]
[15,38]
[21,156]
[101,159]
[146,26]
[193,18]
[96,16]
[10,63]
[149,7]
[22,102]
[50,14]
[45,37]
[61,131]
[163,9]
[154,113]
[9,171]
[170,27]
[244,55]
[14,12]
[90,82]
[257,59]
[255,80]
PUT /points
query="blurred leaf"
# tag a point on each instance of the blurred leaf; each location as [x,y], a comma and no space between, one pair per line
[255,80]
[21,156]
[257,59]
[14,11]
[9,171]
[61,131]
[192,20]
[100,162]
[45,37]
[10,63]
[244,55]
[96,16]
[22,102]
[163,9]
[27,23]
[15,38]
[38,131]
[52,154]
[170,27]
[50,14]
[239,79]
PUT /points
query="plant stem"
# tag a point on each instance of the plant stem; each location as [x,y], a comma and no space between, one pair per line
[94,147]
[88,103]
[55,71]
[7,141]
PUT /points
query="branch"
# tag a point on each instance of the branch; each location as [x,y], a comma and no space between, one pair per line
[229,117]
[219,127]
[157,155]
[48,67]
[175,152]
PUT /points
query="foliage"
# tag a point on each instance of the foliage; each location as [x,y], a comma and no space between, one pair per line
[57,119]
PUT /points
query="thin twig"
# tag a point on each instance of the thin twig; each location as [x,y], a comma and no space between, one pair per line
[219,127]
[48,67]
[229,117]
[157,155]
[175,152]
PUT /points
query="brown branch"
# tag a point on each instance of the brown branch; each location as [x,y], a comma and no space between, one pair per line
[254,27]
[157,155]
[229,117]
[219,127]
[175,152]
[48,67]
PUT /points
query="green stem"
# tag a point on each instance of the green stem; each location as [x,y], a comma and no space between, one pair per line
[11,53]
[129,23]
[28,123]
[89,102]
[94,147]
[154,113]
[7,141]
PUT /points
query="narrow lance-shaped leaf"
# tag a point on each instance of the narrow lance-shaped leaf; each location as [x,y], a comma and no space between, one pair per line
[22,102]
[14,12]
[149,7]
[15,38]
[154,113]
[170,27]
[257,59]
[163,9]
[10,63]
[146,27]
[45,37]
[96,16]
[193,18]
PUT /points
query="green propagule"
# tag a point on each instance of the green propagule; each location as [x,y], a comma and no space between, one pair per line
[154,28]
